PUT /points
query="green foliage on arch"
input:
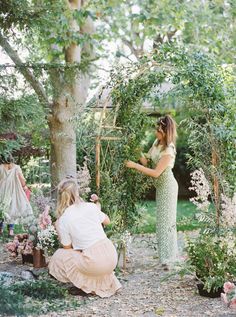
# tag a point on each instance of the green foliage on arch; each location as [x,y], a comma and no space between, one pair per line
[202,89]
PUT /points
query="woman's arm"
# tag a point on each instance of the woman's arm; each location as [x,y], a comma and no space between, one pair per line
[63,235]
[67,246]
[106,221]
[22,180]
[156,172]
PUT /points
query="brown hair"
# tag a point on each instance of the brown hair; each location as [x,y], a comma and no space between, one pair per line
[168,126]
[68,194]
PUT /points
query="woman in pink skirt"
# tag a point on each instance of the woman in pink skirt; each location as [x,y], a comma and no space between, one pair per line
[88,257]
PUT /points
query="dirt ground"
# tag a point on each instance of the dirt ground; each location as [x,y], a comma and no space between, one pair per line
[143,292]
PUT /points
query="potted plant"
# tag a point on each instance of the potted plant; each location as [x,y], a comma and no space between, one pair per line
[213,259]
[212,255]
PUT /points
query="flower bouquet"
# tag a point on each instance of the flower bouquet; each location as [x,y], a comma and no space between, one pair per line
[229,295]
[44,233]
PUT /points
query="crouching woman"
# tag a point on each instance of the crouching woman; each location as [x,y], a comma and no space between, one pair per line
[88,257]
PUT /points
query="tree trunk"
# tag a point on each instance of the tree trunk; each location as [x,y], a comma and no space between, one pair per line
[69,101]
[63,143]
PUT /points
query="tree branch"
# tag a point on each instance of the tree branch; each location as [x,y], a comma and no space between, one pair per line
[38,88]
[130,46]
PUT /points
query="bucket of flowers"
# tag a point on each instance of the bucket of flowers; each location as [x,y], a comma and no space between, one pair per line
[44,237]
[40,241]
[21,245]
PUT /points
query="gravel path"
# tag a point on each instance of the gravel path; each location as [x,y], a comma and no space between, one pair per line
[143,294]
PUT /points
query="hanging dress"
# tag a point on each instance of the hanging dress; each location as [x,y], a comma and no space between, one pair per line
[13,200]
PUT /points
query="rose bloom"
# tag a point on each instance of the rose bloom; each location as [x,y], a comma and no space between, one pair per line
[94,198]
[45,218]
[11,246]
[233,303]
[228,287]
[224,298]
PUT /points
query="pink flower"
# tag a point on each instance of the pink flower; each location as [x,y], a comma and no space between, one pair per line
[11,247]
[94,198]
[224,298]
[228,287]
[233,303]
[45,218]
[28,248]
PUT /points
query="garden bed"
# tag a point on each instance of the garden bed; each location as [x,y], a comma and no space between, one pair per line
[143,293]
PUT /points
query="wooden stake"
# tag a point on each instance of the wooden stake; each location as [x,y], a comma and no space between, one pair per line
[124,257]
[110,138]
[216,186]
[98,150]
[111,127]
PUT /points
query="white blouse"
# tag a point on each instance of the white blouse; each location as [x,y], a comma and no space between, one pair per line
[157,151]
[81,225]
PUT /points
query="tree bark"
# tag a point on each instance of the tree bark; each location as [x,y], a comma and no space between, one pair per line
[63,142]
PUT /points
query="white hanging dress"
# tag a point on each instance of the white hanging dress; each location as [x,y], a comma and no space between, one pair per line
[13,200]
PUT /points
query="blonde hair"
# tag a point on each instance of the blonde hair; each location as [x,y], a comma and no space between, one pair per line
[168,126]
[68,194]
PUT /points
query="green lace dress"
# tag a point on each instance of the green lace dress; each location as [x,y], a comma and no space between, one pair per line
[166,202]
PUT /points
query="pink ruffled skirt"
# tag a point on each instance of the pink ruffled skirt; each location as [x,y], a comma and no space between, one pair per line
[90,270]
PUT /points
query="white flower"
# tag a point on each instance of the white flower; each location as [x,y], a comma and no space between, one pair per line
[126,239]
[201,186]
[47,238]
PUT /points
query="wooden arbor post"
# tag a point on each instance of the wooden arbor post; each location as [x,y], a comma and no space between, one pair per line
[107,126]
[99,138]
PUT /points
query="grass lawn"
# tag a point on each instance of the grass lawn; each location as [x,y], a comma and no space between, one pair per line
[185,217]
[147,218]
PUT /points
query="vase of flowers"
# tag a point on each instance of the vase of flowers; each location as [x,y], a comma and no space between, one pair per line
[38,258]
[47,238]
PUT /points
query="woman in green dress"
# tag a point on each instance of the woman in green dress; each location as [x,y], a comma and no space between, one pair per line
[162,156]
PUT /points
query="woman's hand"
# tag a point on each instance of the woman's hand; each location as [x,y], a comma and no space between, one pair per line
[143,160]
[130,164]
